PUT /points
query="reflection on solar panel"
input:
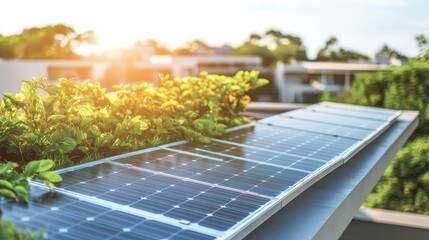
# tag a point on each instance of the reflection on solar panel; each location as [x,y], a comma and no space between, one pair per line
[202,191]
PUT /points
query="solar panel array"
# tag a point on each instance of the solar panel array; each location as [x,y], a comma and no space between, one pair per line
[201,191]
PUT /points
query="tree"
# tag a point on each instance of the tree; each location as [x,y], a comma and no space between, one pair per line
[423,45]
[7,49]
[287,46]
[249,48]
[273,46]
[157,47]
[388,53]
[194,47]
[333,52]
[49,42]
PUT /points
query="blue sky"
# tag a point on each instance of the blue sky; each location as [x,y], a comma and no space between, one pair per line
[362,25]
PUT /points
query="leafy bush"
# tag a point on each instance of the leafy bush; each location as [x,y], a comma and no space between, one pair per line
[405,184]
[404,87]
[73,123]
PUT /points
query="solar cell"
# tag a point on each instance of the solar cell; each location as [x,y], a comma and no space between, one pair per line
[67,217]
[355,111]
[201,191]
[318,127]
[358,123]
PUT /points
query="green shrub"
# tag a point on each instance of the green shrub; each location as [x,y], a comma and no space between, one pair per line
[405,184]
[73,123]
[404,87]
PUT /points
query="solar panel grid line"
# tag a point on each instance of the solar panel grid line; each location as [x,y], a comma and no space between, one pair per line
[347,121]
[244,159]
[267,137]
[364,109]
[266,150]
[259,148]
[75,219]
[318,127]
[194,154]
[308,152]
[354,150]
[133,211]
[280,159]
[355,111]
[197,181]
[116,157]
[271,208]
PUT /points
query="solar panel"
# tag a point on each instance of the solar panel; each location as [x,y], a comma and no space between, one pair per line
[219,190]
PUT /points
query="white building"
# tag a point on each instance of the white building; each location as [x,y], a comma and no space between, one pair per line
[12,72]
[304,82]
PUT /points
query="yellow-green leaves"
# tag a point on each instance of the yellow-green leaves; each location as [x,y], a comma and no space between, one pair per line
[14,184]
[75,121]
[37,167]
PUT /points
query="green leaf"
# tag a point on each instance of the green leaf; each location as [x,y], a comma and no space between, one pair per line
[21,192]
[56,117]
[5,184]
[7,193]
[8,166]
[31,168]
[67,144]
[181,120]
[45,165]
[9,95]
[48,102]
[50,176]
[30,137]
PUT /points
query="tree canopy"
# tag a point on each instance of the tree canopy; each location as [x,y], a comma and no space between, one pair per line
[273,46]
[49,42]
[423,44]
[387,52]
[333,52]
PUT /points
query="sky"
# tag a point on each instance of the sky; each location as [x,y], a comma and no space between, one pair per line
[360,25]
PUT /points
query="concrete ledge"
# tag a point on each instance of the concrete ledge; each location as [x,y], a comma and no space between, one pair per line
[370,223]
[325,209]
[393,218]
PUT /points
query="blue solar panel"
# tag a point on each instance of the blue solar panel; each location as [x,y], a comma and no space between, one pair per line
[359,112]
[66,217]
[357,123]
[201,191]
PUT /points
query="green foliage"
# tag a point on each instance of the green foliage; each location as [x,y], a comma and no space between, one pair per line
[273,46]
[405,184]
[405,87]
[48,42]
[423,44]
[14,184]
[388,53]
[252,49]
[332,52]
[73,122]
[8,231]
